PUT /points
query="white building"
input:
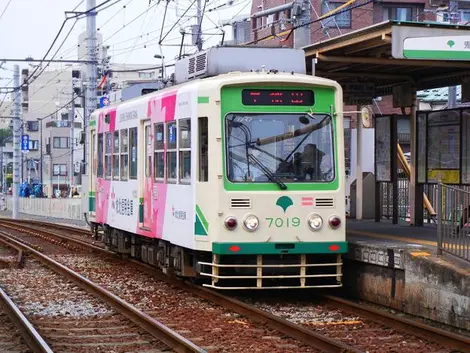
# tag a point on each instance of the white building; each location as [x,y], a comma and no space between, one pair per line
[47,113]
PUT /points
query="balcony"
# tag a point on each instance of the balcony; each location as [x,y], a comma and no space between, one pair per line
[62,124]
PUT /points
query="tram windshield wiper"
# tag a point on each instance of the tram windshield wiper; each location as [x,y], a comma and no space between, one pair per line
[267,172]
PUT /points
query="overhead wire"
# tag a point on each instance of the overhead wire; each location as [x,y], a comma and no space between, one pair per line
[133,20]
[5,9]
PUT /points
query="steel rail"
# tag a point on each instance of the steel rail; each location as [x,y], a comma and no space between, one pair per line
[33,222]
[47,233]
[304,334]
[33,339]
[19,258]
[286,327]
[416,328]
[154,327]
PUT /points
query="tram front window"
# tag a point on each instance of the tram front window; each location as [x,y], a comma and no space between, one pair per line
[279,148]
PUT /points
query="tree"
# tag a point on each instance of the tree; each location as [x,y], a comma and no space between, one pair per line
[4,134]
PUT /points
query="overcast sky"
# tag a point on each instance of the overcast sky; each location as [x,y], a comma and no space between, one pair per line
[28,27]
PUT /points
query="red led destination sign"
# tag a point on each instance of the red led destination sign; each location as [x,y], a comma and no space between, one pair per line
[277,97]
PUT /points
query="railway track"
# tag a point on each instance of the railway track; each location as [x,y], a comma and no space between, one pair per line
[86,319]
[353,335]
[17,334]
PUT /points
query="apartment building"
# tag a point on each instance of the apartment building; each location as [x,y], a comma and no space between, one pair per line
[51,105]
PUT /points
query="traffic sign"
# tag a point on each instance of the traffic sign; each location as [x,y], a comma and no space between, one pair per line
[104,101]
[25,143]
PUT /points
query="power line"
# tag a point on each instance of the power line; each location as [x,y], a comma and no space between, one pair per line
[290,31]
[120,29]
[5,9]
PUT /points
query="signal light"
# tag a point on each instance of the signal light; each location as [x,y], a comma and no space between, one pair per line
[333,247]
[334,222]
[231,223]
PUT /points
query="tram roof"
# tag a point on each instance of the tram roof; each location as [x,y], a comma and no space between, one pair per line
[375,55]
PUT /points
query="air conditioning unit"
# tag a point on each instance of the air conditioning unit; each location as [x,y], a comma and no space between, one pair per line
[439,3]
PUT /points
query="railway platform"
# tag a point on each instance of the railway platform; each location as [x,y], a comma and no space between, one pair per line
[398,266]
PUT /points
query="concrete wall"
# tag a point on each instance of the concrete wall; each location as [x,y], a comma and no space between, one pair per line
[58,208]
[405,280]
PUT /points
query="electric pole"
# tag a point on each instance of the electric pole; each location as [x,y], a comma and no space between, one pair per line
[452,93]
[72,125]
[199,26]
[90,100]
[16,141]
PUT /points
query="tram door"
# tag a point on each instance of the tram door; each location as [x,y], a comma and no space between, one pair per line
[146,198]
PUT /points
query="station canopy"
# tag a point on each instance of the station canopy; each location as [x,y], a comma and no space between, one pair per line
[376,59]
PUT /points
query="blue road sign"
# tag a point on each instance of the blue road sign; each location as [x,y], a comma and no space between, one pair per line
[104,101]
[25,143]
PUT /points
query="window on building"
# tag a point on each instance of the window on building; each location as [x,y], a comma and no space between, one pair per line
[60,142]
[33,145]
[147,152]
[59,169]
[185,150]
[133,152]
[148,75]
[203,160]
[159,156]
[124,155]
[171,159]
[108,155]
[342,20]
[33,164]
[116,155]
[397,13]
[100,155]
[32,125]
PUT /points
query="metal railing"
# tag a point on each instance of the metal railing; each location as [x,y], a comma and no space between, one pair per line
[386,200]
[453,221]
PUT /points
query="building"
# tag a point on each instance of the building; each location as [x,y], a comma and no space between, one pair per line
[51,105]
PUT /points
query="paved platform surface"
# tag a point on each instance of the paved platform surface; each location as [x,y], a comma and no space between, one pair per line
[386,233]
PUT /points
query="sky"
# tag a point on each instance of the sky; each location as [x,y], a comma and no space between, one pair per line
[28,27]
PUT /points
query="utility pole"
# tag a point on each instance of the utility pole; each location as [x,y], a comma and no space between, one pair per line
[199,26]
[90,101]
[1,168]
[72,125]
[16,141]
[41,151]
[452,93]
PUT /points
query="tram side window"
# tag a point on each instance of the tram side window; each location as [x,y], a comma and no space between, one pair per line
[159,156]
[171,138]
[148,156]
[124,155]
[116,155]
[94,155]
[203,146]
[133,152]
[108,155]
[100,155]
[185,150]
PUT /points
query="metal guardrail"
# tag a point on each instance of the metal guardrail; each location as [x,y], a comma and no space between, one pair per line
[386,200]
[453,218]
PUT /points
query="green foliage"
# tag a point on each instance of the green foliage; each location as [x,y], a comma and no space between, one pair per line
[4,134]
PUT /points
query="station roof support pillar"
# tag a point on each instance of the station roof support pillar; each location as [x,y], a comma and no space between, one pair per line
[416,190]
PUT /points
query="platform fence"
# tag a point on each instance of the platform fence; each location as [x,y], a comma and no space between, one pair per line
[386,200]
[453,220]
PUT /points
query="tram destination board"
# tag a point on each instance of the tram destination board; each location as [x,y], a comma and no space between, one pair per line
[277,97]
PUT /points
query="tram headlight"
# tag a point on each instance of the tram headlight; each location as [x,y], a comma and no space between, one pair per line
[251,222]
[315,221]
